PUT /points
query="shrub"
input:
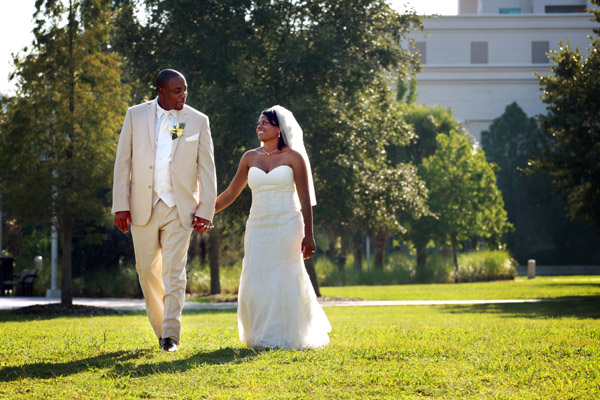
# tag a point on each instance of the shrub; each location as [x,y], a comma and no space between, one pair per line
[437,269]
[199,278]
[486,266]
[328,273]
[120,281]
[401,269]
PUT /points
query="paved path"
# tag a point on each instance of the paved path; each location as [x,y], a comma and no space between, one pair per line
[8,303]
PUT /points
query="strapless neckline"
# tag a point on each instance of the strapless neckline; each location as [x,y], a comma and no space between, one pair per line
[267,173]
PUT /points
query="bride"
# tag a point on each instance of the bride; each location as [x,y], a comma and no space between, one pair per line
[277,306]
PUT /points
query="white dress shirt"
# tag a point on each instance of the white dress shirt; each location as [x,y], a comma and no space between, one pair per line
[163,188]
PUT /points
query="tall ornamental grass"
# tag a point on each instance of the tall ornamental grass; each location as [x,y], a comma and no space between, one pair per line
[490,265]
[400,269]
[199,278]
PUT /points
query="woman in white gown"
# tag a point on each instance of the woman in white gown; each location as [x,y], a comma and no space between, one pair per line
[277,305]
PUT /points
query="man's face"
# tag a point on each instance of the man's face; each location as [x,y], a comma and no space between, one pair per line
[172,96]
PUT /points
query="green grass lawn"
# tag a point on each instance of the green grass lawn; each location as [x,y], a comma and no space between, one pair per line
[542,287]
[516,351]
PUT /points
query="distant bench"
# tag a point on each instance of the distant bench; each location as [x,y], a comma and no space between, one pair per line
[25,280]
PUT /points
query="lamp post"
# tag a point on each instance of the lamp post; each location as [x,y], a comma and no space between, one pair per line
[53,291]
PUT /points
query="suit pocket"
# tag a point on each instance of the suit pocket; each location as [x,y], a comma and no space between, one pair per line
[193,138]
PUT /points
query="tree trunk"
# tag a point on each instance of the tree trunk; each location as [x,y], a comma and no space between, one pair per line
[421,254]
[446,250]
[332,245]
[193,248]
[344,245]
[72,28]
[66,293]
[197,249]
[380,239]
[454,257]
[213,258]
[341,258]
[312,273]
[358,254]
[421,260]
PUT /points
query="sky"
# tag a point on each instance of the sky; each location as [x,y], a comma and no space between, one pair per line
[15,29]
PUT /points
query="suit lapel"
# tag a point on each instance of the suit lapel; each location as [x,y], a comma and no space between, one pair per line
[151,119]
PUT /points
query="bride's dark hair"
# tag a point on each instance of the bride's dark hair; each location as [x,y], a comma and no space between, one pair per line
[272,117]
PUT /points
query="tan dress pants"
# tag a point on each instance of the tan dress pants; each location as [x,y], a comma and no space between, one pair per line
[161,248]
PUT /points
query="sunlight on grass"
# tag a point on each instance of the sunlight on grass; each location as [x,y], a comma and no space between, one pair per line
[499,351]
[520,288]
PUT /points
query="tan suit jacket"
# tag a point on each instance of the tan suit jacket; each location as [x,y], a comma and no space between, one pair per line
[192,166]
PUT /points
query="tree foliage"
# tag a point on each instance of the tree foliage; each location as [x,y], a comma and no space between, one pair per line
[427,123]
[463,194]
[572,95]
[541,230]
[389,193]
[327,61]
[59,137]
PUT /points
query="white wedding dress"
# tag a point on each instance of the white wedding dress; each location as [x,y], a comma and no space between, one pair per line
[277,305]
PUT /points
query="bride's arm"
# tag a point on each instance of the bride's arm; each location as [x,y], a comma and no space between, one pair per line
[236,186]
[309,246]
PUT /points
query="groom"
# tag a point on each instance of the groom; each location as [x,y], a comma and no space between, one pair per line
[164,187]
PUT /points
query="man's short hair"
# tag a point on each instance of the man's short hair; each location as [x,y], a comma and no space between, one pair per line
[164,76]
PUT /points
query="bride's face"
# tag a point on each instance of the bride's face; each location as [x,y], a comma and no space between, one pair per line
[265,131]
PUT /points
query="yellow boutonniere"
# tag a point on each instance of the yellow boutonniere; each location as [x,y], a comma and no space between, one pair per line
[176,131]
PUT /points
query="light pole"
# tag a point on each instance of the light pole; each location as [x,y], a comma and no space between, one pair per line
[53,291]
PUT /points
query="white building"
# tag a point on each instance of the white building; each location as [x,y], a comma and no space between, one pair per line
[486,57]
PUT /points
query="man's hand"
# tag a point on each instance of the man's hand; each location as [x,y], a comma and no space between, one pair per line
[123,220]
[201,225]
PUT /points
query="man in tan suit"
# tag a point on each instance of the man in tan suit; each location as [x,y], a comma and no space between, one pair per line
[164,187]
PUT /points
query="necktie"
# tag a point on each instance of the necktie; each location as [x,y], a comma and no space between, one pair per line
[164,126]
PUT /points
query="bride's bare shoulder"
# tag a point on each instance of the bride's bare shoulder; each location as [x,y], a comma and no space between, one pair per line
[251,153]
[249,157]
[294,157]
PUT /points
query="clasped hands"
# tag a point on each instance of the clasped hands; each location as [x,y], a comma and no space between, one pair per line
[201,225]
[123,220]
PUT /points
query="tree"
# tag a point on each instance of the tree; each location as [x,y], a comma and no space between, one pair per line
[389,193]
[572,95]
[59,139]
[463,194]
[427,123]
[512,139]
[320,59]
[407,89]
[538,215]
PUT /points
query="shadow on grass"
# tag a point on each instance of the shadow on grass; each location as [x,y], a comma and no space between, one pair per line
[10,316]
[582,307]
[579,285]
[49,370]
[120,364]
[227,355]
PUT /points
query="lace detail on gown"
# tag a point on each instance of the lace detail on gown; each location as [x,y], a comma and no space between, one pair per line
[277,306]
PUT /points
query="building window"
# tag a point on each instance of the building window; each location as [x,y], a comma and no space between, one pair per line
[539,52]
[564,9]
[510,11]
[421,47]
[479,52]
